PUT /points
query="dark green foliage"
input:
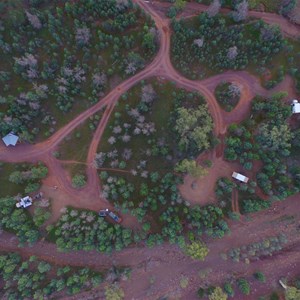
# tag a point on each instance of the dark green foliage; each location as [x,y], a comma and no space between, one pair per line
[274,296]
[18,221]
[228,95]
[29,175]
[31,278]
[266,137]
[260,276]
[201,293]
[85,230]
[253,44]
[228,289]
[255,204]
[64,53]
[243,286]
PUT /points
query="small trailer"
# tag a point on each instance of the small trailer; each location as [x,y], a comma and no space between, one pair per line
[24,202]
[240,177]
[295,107]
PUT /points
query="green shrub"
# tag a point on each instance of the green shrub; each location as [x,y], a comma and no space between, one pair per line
[243,286]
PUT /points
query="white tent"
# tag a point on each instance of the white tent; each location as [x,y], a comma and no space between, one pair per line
[10,139]
[296,107]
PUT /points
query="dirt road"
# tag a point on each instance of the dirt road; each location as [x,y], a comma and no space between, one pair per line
[160,66]
[166,263]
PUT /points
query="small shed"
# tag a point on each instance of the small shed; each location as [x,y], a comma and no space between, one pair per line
[24,202]
[296,107]
[240,177]
[10,139]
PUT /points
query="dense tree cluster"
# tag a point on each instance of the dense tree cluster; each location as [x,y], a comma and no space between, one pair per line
[193,127]
[30,176]
[85,230]
[35,279]
[18,221]
[266,137]
[242,44]
[228,95]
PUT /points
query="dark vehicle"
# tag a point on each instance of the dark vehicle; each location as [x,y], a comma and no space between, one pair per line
[103,212]
[106,212]
[114,217]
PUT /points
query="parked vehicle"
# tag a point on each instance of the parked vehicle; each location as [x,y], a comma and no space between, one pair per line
[112,215]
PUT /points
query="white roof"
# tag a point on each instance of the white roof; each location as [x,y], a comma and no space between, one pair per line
[240,177]
[296,107]
[10,139]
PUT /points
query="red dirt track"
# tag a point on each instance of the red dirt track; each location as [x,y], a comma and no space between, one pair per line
[167,263]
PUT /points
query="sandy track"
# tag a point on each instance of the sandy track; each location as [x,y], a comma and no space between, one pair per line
[166,262]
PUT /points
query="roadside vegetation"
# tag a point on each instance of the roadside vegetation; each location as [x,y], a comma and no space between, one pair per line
[33,278]
[228,95]
[85,230]
[58,58]
[21,178]
[250,45]
[240,7]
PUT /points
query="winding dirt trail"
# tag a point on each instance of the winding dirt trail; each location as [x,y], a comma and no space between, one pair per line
[167,263]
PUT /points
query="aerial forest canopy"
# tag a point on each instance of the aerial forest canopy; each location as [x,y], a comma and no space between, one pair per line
[207,45]
[58,58]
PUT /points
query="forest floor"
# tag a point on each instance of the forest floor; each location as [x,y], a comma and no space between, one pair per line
[166,263]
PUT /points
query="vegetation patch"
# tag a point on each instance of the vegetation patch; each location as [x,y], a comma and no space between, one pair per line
[58,58]
[37,279]
[21,178]
[255,46]
[267,137]
[85,230]
[228,95]
[144,140]
[258,250]
[9,188]
[18,221]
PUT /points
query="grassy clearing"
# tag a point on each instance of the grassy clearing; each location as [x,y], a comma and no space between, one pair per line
[8,188]
[75,147]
